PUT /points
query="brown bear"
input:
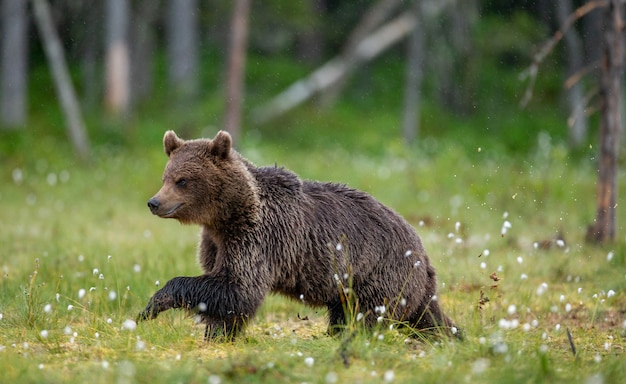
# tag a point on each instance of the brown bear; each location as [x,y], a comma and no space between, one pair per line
[266,230]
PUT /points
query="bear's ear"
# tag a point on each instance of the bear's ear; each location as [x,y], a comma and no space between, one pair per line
[171,142]
[221,144]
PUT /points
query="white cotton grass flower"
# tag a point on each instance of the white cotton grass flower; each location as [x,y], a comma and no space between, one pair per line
[81,293]
[70,307]
[215,379]
[610,255]
[136,268]
[505,227]
[457,226]
[511,310]
[408,253]
[309,361]
[129,325]
[44,333]
[483,265]
[331,377]
[47,308]
[359,316]
[95,271]
[543,287]
[389,376]
[157,283]
[610,293]
[112,295]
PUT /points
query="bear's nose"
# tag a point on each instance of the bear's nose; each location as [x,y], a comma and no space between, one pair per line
[153,204]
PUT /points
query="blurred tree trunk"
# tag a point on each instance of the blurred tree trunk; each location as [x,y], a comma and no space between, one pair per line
[376,15]
[611,94]
[414,71]
[13,89]
[117,94]
[65,91]
[236,67]
[90,49]
[310,45]
[182,49]
[143,48]
[577,121]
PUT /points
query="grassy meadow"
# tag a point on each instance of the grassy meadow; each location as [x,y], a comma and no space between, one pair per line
[81,255]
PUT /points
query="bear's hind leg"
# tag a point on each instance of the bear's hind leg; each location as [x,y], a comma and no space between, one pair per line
[336,318]
[222,330]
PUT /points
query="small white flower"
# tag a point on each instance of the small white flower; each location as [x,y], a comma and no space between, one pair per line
[112,295]
[486,252]
[359,317]
[557,327]
[137,268]
[44,333]
[67,330]
[331,377]
[568,307]
[543,287]
[309,361]
[560,243]
[70,307]
[512,309]
[97,335]
[483,265]
[389,376]
[408,253]
[109,258]
[81,293]
[380,319]
[523,276]
[609,256]
[95,271]
[562,298]
[47,308]
[101,276]
[129,325]
[610,293]
[520,260]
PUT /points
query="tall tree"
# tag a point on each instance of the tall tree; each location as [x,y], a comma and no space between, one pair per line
[14,64]
[414,70]
[182,48]
[611,125]
[58,66]
[117,94]
[143,44]
[236,67]
[577,121]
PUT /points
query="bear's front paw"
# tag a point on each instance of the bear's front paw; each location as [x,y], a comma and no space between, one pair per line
[172,295]
[161,301]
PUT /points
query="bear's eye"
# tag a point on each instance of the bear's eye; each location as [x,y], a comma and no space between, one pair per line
[181,182]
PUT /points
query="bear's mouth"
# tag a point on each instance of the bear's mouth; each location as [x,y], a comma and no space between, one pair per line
[172,210]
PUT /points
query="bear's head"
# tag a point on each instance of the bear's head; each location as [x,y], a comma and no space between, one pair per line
[205,182]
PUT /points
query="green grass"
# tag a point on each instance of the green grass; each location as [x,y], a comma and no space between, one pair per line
[67,228]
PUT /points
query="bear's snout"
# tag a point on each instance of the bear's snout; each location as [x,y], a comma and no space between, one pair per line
[153,204]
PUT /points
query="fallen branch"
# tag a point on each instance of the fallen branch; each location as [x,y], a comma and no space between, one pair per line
[335,69]
[531,72]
